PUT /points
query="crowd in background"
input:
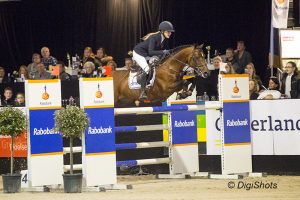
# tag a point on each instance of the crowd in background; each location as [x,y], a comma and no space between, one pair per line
[101,64]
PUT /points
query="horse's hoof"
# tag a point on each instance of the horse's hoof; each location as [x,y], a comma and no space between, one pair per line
[137,102]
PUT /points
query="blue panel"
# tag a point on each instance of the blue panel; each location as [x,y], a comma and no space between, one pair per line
[100,135]
[236,122]
[42,137]
[184,127]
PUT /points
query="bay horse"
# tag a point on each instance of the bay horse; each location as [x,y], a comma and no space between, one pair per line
[169,74]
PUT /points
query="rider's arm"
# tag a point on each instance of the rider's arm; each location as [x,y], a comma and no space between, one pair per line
[151,48]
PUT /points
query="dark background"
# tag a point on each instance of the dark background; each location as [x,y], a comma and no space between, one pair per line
[70,25]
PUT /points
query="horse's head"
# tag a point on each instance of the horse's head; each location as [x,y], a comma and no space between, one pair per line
[197,61]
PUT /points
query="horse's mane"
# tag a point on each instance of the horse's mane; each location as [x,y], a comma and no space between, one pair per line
[174,51]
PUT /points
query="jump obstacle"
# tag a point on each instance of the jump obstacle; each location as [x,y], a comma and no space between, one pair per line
[98,142]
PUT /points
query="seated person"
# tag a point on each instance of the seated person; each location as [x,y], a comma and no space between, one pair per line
[41,73]
[229,69]
[32,67]
[102,58]
[8,100]
[22,74]
[47,60]
[20,100]
[250,69]
[3,78]
[273,84]
[63,75]
[253,89]
[128,64]
[88,55]
[88,70]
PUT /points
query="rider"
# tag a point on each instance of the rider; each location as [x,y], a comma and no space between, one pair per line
[154,44]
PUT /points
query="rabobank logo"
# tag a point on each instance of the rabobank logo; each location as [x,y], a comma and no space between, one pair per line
[99,130]
[237,122]
[98,93]
[45,98]
[98,96]
[184,123]
[41,131]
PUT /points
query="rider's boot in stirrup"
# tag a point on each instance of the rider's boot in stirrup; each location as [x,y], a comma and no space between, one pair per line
[143,94]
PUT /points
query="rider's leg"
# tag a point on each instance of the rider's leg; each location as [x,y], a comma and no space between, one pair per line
[141,61]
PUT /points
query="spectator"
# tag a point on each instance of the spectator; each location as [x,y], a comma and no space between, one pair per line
[3,78]
[47,60]
[253,91]
[273,84]
[229,69]
[229,56]
[102,58]
[88,70]
[250,69]
[214,77]
[20,100]
[242,57]
[32,67]
[88,56]
[128,64]
[8,100]
[41,74]
[22,74]
[290,87]
[63,75]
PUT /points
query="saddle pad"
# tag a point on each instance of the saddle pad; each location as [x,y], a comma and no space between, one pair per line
[134,85]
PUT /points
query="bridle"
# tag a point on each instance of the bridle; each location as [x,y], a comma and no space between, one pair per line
[197,69]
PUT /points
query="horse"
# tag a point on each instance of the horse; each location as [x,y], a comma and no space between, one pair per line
[169,74]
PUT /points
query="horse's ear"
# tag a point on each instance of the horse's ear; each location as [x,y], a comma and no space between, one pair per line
[201,46]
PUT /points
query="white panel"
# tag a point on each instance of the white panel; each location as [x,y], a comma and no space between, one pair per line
[262,141]
[100,170]
[45,94]
[96,92]
[236,88]
[213,135]
[287,143]
[237,159]
[185,159]
[45,170]
[290,42]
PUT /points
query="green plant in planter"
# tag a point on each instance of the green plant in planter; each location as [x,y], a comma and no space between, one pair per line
[13,122]
[71,122]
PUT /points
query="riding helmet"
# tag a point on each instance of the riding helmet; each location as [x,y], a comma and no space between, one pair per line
[166,26]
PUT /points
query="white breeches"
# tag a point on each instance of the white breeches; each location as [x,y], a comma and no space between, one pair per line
[141,61]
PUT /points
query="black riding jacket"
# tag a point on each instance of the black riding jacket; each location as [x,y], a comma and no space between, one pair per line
[152,46]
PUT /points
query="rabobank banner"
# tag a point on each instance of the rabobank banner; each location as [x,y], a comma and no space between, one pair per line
[43,139]
[236,123]
[184,127]
[100,135]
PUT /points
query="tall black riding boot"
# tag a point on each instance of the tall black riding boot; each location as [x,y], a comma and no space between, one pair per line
[143,94]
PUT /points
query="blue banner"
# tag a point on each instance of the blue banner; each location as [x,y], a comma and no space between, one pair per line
[100,135]
[236,122]
[43,139]
[184,127]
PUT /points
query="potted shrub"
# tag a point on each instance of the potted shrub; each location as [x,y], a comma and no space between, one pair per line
[13,122]
[71,122]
